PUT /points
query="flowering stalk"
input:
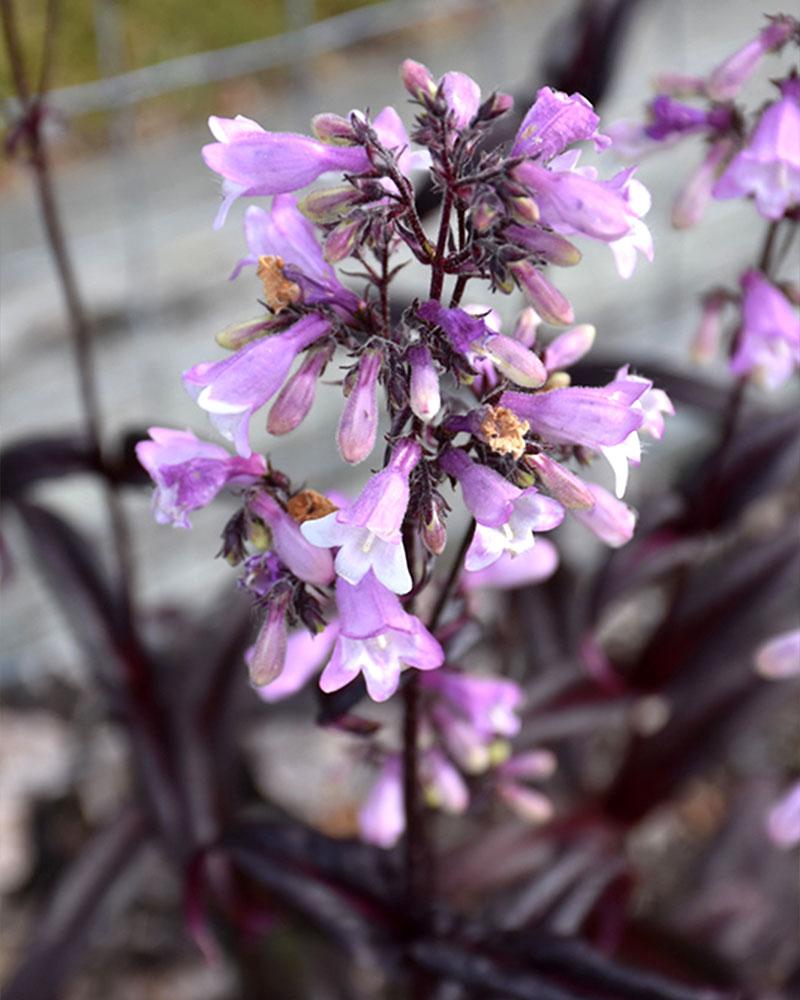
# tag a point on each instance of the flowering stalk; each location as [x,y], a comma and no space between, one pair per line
[464,404]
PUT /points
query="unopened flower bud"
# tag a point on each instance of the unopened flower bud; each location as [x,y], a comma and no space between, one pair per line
[236,336]
[329,204]
[297,396]
[513,360]
[333,129]
[342,241]
[424,395]
[259,534]
[358,426]
[527,803]
[523,209]
[500,104]
[706,339]
[526,327]
[569,347]
[417,79]
[484,214]
[267,657]
[531,765]
[545,298]
[550,247]
[565,486]
[434,533]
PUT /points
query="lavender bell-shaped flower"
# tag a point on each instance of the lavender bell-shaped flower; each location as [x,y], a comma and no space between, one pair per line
[507,516]
[555,121]
[769,165]
[513,571]
[378,638]
[189,473]
[368,531]
[358,425]
[306,561]
[489,704]
[230,391]
[768,342]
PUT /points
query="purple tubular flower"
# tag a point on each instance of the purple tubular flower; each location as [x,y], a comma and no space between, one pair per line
[507,516]
[297,396]
[382,817]
[513,571]
[779,657]
[358,425]
[489,704]
[230,391]
[305,655]
[268,656]
[306,561]
[769,165]
[569,347]
[567,197]
[463,97]
[471,335]
[368,531]
[286,233]
[255,162]
[691,201]
[726,80]
[554,122]
[670,117]
[594,417]
[768,344]
[610,519]
[545,298]
[189,473]
[377,638]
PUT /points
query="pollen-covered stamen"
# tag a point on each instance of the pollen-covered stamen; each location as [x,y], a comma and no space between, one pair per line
[308,505]
[503,431]
[279,292]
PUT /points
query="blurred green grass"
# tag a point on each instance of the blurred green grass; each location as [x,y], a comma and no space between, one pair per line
[152,31]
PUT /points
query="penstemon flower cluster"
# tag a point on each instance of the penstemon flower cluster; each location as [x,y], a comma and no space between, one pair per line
[491,413]
[749,154]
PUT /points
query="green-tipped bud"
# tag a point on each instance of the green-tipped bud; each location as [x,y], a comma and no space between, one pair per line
[329,204]
[333,130]
[523,209]
[236,336]
[260,535]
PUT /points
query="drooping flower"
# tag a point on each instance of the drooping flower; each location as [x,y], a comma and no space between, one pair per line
[769,165]
[507,516]
[489,704]
[768,342]
[378,638]
[367,532]
[189,473]
[306,561]
[230,391]
[358,425]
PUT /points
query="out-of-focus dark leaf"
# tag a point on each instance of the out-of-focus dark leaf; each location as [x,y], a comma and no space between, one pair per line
[33,459]
[62,931]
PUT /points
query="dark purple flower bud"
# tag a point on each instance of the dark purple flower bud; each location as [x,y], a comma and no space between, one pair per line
[358,426]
